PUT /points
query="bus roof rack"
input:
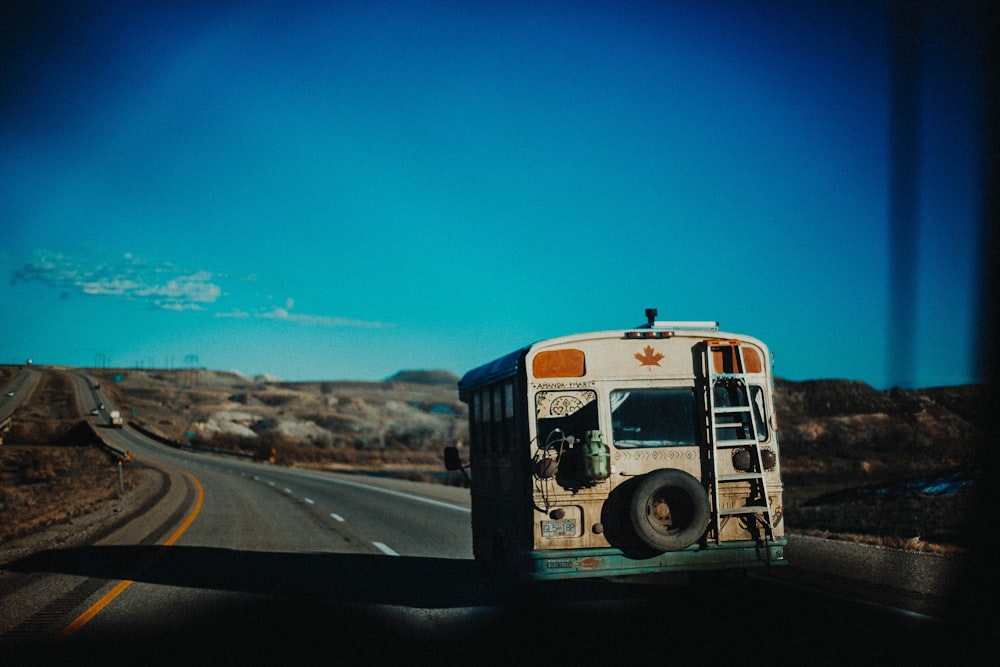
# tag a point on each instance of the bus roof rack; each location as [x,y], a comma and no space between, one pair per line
[660,324]
[652,323]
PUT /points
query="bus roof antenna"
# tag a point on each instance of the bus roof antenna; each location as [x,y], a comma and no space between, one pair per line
[650,316]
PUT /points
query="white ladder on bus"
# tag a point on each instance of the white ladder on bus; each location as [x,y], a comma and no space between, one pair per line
[732,426]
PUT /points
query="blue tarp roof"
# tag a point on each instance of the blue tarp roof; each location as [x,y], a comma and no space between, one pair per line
[496,370]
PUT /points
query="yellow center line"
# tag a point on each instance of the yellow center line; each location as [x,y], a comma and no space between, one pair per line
[120,587]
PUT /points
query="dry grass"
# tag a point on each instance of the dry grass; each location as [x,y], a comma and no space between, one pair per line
[313,423]
[878,508]
[909,544]
[52,400]
[41,486]
[52,469]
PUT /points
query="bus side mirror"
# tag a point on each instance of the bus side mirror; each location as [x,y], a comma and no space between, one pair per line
[452,461]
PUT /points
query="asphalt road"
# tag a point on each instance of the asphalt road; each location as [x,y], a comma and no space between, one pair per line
[251,563]
[15,391]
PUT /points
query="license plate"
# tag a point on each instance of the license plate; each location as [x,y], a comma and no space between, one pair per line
[564,528]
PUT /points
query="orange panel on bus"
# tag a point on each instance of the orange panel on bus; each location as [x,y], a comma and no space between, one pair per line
[752,361]
[559,364]
[724,358]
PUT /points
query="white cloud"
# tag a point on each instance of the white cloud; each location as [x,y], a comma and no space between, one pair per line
[235,314]
[178,307]
[285,315]
[163,285]
[160,284]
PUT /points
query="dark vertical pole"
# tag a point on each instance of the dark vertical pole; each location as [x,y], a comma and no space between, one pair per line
[975,610]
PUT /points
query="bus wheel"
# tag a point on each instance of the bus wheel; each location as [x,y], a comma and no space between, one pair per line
[669,510]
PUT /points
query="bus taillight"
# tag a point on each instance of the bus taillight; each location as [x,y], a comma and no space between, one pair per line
[649,334]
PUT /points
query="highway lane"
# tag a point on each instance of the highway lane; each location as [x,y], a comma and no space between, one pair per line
[90,397]
[398,519]
[250,505]
[21,387]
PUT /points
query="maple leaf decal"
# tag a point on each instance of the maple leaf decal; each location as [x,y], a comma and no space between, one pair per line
[649,357]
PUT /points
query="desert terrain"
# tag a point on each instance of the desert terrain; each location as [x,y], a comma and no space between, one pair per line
[892,467]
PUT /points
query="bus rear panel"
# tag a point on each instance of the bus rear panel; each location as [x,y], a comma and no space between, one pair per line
[623,452]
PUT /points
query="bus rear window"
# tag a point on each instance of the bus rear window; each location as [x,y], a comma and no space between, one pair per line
[653,417]
[565,413]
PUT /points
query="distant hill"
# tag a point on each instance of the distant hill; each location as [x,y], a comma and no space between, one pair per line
[849,420]
[438,377]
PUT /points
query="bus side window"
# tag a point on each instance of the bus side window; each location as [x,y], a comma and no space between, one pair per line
[497,425]
[508,416]
[759,413]
[485,418]
[476,426]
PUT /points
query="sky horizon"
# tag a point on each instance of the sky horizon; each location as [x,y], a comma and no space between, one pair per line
[345,191]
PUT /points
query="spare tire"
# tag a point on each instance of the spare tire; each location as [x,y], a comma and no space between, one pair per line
[669,510]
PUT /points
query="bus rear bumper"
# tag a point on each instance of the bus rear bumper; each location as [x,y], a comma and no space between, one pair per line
[609,562]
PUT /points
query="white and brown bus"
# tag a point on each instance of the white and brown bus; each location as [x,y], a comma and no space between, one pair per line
[622,452]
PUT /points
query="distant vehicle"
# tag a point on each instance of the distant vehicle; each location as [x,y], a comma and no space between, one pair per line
[116,418]
[102,407]
[632,451]
[97,385]
[10,393]
[95,411]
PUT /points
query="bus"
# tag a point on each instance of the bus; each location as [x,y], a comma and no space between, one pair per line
[624,452]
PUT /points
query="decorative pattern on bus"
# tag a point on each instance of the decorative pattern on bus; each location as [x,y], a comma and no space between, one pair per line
[561,404]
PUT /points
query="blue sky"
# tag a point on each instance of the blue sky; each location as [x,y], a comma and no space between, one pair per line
[344,190]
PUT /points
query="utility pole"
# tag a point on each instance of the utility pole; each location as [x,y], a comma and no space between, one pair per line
[191,370]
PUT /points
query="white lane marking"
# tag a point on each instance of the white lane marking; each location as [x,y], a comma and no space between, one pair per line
[270,483]
[309,501]
[429,501]
[336,516]
[287,490]
[385,549]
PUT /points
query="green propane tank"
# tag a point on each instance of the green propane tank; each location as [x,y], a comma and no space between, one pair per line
[595,458]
